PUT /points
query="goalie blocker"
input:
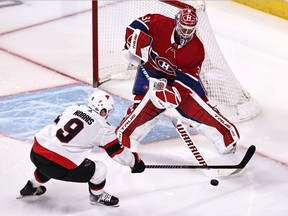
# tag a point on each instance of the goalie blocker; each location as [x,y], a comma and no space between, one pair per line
[139,45]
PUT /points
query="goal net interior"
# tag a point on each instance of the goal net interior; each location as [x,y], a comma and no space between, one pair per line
[223,88]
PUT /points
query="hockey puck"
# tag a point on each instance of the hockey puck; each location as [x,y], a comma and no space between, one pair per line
[214,182]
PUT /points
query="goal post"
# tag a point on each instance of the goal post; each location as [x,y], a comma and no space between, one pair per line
[110,19]
[95,51]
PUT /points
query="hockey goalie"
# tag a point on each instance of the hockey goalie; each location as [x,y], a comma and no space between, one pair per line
[169,56]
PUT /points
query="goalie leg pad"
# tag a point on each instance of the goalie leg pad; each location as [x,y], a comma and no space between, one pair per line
[138,122]
[193,107]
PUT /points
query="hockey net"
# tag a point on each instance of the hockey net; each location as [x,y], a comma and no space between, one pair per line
[223,88]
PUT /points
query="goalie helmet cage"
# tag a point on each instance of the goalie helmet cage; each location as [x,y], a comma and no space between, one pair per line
[110,19]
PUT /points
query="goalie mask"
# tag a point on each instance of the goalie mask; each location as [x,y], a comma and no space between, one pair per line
[102,103]
[185,25]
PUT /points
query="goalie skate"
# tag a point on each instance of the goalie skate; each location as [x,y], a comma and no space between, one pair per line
[104,199]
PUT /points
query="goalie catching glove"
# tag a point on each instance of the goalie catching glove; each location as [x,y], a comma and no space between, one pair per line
[138,47]
[163,97]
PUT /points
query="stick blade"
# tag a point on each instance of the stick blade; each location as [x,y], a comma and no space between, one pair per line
[240,167]
[249,154]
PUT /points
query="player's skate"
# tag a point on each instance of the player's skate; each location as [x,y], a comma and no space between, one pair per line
[104,199]
[29,190]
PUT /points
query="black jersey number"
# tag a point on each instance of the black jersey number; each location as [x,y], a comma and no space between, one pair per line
[71,129]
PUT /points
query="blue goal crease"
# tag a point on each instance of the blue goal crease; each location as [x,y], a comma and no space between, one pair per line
[25,114]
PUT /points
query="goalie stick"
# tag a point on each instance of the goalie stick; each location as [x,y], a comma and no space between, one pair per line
[210,170]
[187,139]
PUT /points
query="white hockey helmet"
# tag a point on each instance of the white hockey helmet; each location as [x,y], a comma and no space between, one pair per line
[185,25]
[101,102]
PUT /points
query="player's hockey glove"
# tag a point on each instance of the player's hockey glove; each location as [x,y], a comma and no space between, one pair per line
[139,165]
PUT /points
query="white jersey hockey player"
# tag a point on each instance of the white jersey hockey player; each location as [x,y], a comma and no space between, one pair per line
[60,150]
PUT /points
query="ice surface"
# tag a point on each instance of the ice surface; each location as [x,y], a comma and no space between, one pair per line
[255,45]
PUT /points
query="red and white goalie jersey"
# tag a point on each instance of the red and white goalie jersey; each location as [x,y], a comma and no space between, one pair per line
[179,64]
[176,54]
[74,135]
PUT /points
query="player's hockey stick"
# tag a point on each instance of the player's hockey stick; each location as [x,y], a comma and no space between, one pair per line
[221,170]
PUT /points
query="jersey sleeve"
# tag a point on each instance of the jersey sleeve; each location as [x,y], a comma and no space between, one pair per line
[116,150]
